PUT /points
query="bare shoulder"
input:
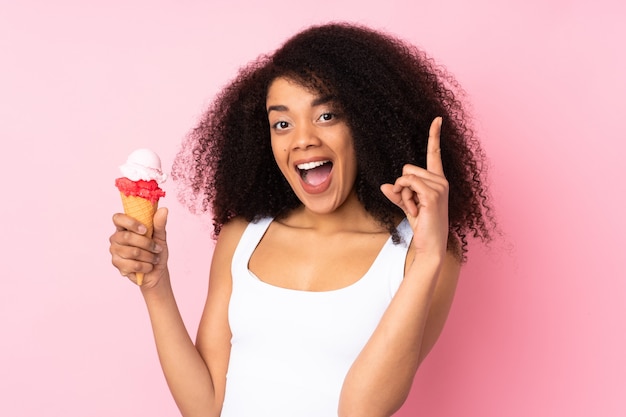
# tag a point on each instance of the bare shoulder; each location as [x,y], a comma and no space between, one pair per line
[220,279]
[213,338]
[226,244]
[231,232]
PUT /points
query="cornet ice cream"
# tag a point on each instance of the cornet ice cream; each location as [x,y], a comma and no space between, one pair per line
[139,188]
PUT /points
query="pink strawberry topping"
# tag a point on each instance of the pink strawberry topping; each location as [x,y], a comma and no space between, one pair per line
[145,189]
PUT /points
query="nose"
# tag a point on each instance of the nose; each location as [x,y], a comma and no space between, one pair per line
[306,136]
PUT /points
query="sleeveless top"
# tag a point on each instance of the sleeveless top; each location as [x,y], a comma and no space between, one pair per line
[292,349]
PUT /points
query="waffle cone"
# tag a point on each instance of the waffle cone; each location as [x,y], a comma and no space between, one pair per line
[143,211]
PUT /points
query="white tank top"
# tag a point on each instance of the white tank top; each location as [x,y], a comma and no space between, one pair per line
[292,349]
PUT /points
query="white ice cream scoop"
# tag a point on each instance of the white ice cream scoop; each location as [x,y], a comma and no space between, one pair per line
[143,164]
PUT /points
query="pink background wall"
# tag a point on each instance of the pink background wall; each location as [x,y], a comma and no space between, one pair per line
[538,325]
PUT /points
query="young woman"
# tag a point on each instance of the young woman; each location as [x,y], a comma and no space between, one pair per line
[343,178]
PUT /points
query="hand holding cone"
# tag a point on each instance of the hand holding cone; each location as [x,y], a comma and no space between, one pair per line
[143,211]
[139,189]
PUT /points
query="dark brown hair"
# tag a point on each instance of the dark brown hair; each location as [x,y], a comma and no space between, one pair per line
[389,92]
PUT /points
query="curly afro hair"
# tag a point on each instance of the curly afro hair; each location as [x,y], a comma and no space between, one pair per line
[389,92]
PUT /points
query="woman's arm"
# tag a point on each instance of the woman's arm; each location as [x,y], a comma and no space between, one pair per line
[186,371]
[214,335]
[380,379]
[194,380]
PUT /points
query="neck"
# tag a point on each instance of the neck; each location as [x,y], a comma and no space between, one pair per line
[349,217]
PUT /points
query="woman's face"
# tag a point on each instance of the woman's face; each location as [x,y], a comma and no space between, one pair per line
[312,145]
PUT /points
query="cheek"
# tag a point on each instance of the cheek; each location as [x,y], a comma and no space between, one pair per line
[278,144]
[276,148]
[350,153]
[354,165]
[279,152]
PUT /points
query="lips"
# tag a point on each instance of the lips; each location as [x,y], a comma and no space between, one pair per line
[315,175]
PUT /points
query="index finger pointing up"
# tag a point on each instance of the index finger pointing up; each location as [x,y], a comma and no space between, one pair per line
[433,150]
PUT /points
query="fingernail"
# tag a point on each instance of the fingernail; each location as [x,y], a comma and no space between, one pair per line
[157,248]
[142,229]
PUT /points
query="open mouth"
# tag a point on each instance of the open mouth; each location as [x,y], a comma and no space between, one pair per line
[315,173]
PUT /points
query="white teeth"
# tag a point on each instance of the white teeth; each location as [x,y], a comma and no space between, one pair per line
[311,165]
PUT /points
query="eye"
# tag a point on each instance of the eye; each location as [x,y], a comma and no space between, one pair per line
[326,117]
[280,125]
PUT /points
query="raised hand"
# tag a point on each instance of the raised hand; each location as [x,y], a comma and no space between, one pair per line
[423,196]
[133,252]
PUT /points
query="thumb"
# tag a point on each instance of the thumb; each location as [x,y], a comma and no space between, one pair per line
[395,198]
[160,220]
[402,199]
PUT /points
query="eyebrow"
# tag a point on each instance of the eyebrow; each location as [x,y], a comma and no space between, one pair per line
[316,102]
